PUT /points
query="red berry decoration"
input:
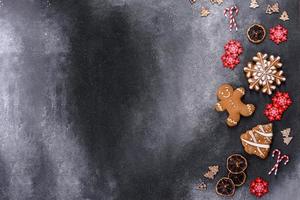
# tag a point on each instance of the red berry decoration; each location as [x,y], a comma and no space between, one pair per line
[230,61]
[282,100]
[273,113]
[234,48]
[259,187]
[278,34]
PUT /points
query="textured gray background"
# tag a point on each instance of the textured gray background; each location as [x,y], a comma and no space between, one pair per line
[114,99]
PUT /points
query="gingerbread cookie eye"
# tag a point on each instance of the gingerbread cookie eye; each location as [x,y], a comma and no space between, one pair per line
[226,93]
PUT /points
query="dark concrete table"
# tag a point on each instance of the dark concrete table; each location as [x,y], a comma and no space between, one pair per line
[114,99]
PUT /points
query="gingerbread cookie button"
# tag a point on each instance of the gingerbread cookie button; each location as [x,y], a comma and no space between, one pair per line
[230,101]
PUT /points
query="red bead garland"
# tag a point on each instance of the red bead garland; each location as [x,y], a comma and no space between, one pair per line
[278,34]
[259,187]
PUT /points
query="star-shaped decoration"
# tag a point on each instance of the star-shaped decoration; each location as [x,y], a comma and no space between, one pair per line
[212,171]
[219,2]
[284,16]
[204,12]
[287,140]
[272,8]
[286,136]
[202,186]
[269,10]
[253,4]
[286,132]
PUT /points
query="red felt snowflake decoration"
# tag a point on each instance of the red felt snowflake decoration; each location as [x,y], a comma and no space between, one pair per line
[259,187]
[273,112]
[280,103]
[278,34]
[282,100]
[234,48]
[230,61]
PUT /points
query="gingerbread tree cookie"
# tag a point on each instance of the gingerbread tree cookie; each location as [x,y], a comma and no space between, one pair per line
[257,141]
[230,101]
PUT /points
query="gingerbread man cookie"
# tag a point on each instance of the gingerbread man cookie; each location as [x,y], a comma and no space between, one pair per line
[230,100]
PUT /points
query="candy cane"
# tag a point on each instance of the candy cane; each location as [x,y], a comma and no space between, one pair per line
[275,167]
[233,12]
[278,160]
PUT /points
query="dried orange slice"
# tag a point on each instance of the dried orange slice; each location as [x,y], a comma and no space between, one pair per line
[236,164]
[256,33]
[238,179]
[225,187]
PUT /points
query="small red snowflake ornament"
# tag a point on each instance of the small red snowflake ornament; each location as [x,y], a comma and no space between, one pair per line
[229,60]
[282,100]
[259,187]
[278,34]
[234,48]
[273,113]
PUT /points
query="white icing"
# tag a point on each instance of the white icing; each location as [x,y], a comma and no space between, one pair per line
[263,133]
[254,139]
[266,146]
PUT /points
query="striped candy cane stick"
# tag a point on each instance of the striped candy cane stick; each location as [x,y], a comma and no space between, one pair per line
[275,167]
[278,160]
[233,12]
